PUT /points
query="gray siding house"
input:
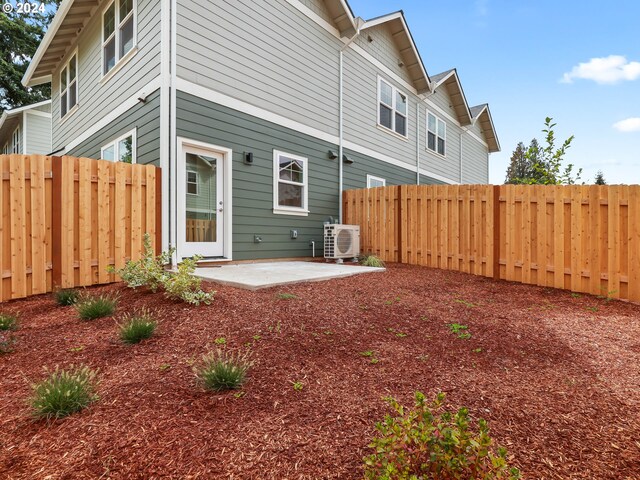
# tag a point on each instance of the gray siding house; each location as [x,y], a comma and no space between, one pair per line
[26,130]
[259,113]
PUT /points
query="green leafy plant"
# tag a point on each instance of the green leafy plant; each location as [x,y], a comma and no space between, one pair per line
[368,353]
[220,341]
[223,370]
[90,307]
[430,442]
[370,260]
[137,327]
[287,296]
[8,321]
[298,386]
[460,330]
[184,285]
[66,296]
[7,342]
[64,392]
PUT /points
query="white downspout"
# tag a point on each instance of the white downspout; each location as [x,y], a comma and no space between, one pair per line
[418,143]
[359,25]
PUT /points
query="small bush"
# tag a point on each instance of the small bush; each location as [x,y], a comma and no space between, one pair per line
[138,327]
[183,285]
[370,260]
[428,442]
[8,322]
[221,370]
[64,392]
[91,307]
[7,342]
[66,296]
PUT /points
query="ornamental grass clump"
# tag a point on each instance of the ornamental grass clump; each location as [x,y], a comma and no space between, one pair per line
[221,370]
[429,442]
[66,296]
[8,322]
[91,307]
[371,260]
[137,327]
[64,392]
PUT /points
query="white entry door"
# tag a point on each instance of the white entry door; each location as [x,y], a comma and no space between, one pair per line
[200,202]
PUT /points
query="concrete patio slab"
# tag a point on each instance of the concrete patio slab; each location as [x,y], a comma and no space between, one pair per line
[254,276]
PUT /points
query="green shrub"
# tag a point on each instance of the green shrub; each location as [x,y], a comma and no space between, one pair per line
[138,327]
[64,392]
[8,321]
[429,442]
[66,296]
[150,271]
[370,260]
[7,342]
[222,370]
[183,285]
[90,307]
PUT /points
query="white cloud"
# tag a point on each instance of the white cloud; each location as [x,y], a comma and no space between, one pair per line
[605,70]
[628,125]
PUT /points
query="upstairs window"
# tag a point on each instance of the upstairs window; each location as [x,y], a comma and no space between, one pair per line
[373,182]
[69,86]
[392,111]
[118,32]
[192,182]
[436,134]
[122,149]
[291,184]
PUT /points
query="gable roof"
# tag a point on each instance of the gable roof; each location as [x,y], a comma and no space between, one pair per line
[451,81]
[14,112]
[411,58]
[482,114]
[342,16]
[70,19]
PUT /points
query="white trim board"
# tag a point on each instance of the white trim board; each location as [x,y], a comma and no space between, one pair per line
[116,113]
[235,104]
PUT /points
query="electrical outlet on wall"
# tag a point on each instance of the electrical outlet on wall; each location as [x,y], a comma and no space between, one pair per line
[294,234]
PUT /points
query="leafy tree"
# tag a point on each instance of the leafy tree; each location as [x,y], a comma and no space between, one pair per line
[600,178]
[20,35]
[544,165]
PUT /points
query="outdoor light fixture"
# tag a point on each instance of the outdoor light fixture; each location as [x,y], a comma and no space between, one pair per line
[332,155]
[248,158]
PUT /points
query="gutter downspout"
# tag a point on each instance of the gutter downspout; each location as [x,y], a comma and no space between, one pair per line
[418,143]
[359,24]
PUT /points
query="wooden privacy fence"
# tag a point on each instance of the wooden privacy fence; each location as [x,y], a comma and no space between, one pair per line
[64,220]
[580,238]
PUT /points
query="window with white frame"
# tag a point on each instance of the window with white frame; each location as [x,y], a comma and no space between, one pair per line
[392,108]
[373,182]
[16,146]
[436,134]
[118,32]
[192,182]
[5,149]
[122,149]
[69,85]
[291,184]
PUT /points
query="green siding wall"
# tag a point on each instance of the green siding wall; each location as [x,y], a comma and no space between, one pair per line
[204,121]
[145,117]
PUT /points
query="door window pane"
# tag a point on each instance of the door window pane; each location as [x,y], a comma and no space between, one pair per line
[202,203]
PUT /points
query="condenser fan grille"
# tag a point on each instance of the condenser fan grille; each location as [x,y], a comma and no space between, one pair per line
[344,241]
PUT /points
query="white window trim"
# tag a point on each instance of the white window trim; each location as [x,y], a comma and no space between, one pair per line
[197,184]
[296,211]
[114,143]
[395,91]
[5,149]
[120,61]
[65,64]
[438,121]
[16,134]
[371,178]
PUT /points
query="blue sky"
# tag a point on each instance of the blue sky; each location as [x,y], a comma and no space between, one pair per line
[578,62]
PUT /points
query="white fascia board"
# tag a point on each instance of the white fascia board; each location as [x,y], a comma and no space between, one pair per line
[27,79]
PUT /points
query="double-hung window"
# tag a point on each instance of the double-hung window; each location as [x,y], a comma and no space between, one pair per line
[192,182]
[16,141]
[436,134]
[392,108]
[118,32]
[69,85]
[122,149]
[291,184]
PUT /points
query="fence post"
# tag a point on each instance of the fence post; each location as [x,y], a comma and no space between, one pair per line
[56,221]
[496,232]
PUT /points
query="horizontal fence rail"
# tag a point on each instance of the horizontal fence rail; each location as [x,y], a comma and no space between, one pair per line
[64,220]
[580,238]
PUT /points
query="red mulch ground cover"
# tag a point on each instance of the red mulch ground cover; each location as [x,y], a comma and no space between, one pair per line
[557,376]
